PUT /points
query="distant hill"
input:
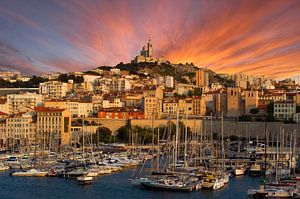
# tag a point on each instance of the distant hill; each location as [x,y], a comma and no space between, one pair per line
[182,73]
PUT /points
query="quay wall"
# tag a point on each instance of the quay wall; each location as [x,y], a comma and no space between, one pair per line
[243,129]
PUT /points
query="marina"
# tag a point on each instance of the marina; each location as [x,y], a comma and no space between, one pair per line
[177,161]
[114,185]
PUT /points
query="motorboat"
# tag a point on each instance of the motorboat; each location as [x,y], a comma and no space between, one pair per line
[30,173]
[84,180]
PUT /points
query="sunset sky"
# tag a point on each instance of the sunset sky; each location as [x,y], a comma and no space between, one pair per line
[256,37]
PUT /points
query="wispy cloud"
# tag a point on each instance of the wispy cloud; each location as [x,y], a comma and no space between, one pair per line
[257,37]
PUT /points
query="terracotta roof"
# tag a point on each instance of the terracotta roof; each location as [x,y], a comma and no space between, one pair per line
[262,106]
[47,109]
[2,113]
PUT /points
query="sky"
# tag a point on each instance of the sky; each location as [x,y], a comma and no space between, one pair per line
[255,37]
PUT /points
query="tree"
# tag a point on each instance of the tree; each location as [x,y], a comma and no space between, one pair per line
[270,108]
[197,92]
[104,134]
[245,118]
[123,134]
[254,111]
[297,109]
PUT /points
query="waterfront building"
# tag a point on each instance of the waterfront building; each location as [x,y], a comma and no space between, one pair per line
[170,106]
[20,130]
[53,126]
[284,110]
[234,102]
[3,135]
[251,100]
[23,102]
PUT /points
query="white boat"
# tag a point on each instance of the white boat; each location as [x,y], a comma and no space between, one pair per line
[4,167]
[213,183]
[138,181]
[30,173]
[255,170]
[83,180]
[239,170]
[226,177]
[76,173]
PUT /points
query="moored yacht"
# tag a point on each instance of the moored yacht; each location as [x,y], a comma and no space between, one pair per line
[30,173]
[212,182]
[84,180]
[255,170]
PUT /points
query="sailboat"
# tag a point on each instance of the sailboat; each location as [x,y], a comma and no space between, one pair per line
[83,179]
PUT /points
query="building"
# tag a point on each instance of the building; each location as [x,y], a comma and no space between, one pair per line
[170,106]
[76,108]
[121,113]
[23,102]
[152,102]
[20,130]
[107,85]
[146,54]
[113,103]
[202,78]
[169,81]
[251,100]
[234,108]
[53,126]
[199,108]
[3,135]
[3,115]
[4,106]
[134,100]
[284,110]
[53,89]
[184,89]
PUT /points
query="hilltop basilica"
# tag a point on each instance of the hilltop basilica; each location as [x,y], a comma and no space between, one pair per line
[146,55]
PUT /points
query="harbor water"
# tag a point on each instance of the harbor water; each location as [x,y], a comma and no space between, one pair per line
[109,186]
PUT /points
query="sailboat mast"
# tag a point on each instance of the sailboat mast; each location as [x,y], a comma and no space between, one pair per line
[176,138]
[211,138]
[152,163]
[222,135]
[185,140]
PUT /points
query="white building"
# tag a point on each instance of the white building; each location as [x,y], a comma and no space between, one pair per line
[284,110]
[112,103]
[169,81]
[54,89]
[23,102]
[115,71]
[76,108]
[107,85]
